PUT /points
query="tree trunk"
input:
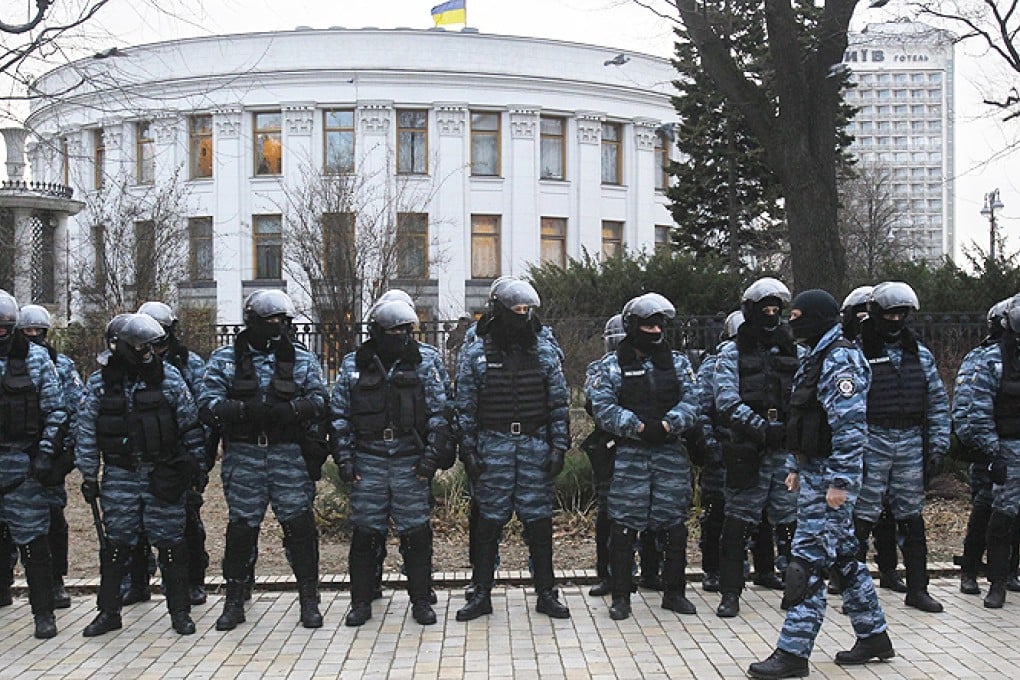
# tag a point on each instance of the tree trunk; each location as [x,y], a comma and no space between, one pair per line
[818,262]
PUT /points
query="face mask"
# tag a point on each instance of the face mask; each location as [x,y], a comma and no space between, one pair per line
[135,358]
[808,331]
[392,345]
[890,330]
[646,342]
[261,332]
[7,338]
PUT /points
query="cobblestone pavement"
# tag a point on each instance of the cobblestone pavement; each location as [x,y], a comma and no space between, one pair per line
[515,642]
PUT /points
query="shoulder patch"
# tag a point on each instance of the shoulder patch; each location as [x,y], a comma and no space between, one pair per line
[846,386]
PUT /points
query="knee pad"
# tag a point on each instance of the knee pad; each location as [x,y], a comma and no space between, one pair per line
[798,580]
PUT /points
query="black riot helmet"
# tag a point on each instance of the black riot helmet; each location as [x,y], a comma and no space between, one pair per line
[164,315]
[113,329]
[512,308]
[9,314]
[390,324]
[894,298]
[613,332]
[996,316]
[266,315]
[650,309]
[35,318]
[760,297]
[136,337]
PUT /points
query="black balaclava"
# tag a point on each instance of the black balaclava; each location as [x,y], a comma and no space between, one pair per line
[513,328]
[765,322]
[261,333]
[134,361]
[6,339]
[391,346]
[646,343]
[819,312]
[890,330]
[851,320]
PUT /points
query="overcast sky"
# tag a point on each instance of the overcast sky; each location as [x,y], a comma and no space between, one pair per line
[980,164]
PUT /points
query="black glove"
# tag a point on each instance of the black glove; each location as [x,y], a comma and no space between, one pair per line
[997,470]
[554,463]
[654,432]
[42,467]
[473,463]
[304,409]
[281,413]
[346,469]
[229,411]
[426,467]
[775,436]
[90,490]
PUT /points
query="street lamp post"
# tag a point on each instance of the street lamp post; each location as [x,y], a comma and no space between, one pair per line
[992,203]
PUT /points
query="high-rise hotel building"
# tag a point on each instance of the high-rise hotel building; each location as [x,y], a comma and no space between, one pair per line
[904,125]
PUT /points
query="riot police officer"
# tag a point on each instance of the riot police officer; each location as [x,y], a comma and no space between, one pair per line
[908,431]
[390,437]
[31,416]
[171,350]
[260,393]
[35,322]
[994,429]
[753,376]
[644,394]
[601,449]
[139,422]
[512,410]
[827,431]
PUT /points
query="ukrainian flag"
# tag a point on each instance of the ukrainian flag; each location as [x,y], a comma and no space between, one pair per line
[451,12]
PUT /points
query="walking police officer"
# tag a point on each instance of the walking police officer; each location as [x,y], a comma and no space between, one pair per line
[908,431]
[827,431]
[261,392]
[390,437]
[139,421]
[191,366]
[644,394]
[31,416]
[512,410]
[753,377]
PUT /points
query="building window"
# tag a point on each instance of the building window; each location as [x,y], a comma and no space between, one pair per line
[200,248]
[661,237]
[611,153]
[145,260]
[412,142]
[485,144]
[268,143]
[65,163]
[413,245]
[612,239]
[43,261]
[200,146]
[554,241]
[7,249]
[145,154]
[268,236]
[99,253]
[98,158]
[661,162]
[554,148]
[485,257]
[339,248]
[338,141]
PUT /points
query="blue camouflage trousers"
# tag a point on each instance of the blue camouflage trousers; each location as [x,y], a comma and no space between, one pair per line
[893,472]
[514,479]
[24,507]
[255,477]
[388,488]
[980,485]
[1007,496]
[712,478]
[825,537]
[129,509]
[769,494]
[651,486]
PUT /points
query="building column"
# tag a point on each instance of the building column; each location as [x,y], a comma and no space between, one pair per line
[642,208]
[521,169]
[299,168]
[377,180]
[587,169]
[231,231]
[450,216]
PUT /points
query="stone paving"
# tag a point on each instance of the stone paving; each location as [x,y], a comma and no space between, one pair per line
[515,642]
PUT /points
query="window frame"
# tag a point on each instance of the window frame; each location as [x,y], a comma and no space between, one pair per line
[496,137]
[662,159]
[145,259]
[405,239]
[193,261]
[615,145]
[477,220]
[270,133]
[561,139]
[547,237]
[98,158]
[414,132]
[197,138]
[616,242]
[341,130]
[145,153]
[257,236]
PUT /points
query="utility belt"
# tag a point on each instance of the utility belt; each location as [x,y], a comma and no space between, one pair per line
[514,427]
[896,422]
[125,460]
[263,439]
[401,452]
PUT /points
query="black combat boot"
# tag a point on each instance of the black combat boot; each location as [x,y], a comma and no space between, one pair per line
[674,572]
[885,553]
[1012,580]
[999,525]
[35,556]
[540,535]
[621,566]
[483,571]
[237,559]
[915,562]
[113,563]
[58,550]
[711,528]
[865,649]
[763,553]
[416,546]
[138,567]
[974,548]
[173,561]
[781,664]
[651,559]
[198,558]
[301,540]
[8,558]
[361,564]
[731,565]
[602,529]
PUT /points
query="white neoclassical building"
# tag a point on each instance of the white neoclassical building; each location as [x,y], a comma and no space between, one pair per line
[488,153]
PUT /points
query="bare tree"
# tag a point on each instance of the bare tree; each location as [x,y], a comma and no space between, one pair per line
[134,244]
[995,25]
[868,221]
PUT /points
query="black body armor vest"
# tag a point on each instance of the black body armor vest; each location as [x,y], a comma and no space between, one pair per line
[20,415]
[1007,399]
[246,387]
[649,393]
[807,431]
[898,395]
[514,397]
[766,378]
[146,432]
[384,408]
